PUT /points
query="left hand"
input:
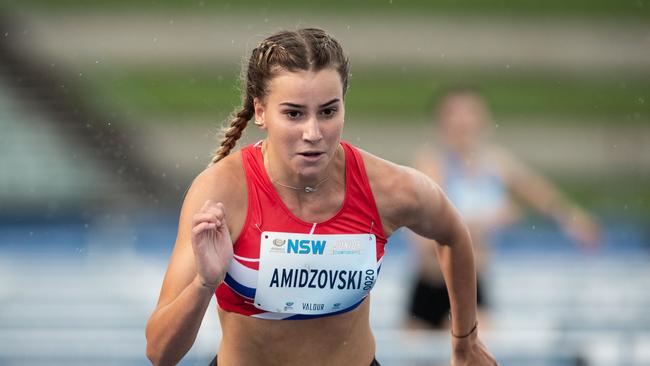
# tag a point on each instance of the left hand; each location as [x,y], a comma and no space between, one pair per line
[470,351]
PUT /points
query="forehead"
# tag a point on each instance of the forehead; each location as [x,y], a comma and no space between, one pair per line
[463,103]
[305,87]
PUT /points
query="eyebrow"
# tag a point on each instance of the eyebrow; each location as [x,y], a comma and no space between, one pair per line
[335,100]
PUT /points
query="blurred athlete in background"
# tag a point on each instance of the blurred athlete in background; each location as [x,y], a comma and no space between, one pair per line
[486,184]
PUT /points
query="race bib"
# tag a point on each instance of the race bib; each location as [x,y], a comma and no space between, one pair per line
[314,274]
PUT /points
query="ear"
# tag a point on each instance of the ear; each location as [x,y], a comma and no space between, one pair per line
[259,113]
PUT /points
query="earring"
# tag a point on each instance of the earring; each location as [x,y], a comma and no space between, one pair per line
[257,123]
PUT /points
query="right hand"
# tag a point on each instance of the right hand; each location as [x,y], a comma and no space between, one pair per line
[470,351]
[211,243]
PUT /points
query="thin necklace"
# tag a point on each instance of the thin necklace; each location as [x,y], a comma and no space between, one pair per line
[307,189]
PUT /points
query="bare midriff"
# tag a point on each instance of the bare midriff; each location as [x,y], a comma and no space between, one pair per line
[344,339]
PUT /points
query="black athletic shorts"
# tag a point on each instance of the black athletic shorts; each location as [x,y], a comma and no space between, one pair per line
[214,362]
[430,302]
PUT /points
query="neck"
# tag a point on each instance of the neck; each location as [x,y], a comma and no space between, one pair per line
[282,176]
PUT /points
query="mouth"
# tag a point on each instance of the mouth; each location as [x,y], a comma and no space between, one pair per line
[311,155]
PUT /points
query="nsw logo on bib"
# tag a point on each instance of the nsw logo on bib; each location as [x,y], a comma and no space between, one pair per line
[314,274]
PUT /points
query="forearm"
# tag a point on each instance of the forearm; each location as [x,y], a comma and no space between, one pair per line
[172,329]
[456,258]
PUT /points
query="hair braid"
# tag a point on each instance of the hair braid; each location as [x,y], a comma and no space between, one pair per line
[234,131]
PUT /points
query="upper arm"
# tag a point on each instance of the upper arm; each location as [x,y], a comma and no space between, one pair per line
[407,197]
[223,182]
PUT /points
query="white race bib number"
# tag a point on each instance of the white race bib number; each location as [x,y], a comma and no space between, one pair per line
[314,274]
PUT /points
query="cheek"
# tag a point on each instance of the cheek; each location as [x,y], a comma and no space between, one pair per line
[284,135]
[335,128]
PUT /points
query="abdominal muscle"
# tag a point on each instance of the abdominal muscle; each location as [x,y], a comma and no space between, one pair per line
[344,339]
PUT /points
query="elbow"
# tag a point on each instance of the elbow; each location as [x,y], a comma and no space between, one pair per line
[160,354]
[153,355]
[154,351]
[158,358]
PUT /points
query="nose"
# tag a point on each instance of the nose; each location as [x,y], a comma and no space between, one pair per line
[312,131]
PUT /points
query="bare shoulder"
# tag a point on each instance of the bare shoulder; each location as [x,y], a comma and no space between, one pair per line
[427,160]
[398,190]
[223,182]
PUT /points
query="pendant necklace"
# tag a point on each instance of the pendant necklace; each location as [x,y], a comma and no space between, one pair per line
[307,189]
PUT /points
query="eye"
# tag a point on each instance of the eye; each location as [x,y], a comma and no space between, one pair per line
[328,112]
[292,114]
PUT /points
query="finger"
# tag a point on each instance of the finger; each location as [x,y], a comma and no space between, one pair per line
[209,217]
[210,204]
[222,208]
[203,227]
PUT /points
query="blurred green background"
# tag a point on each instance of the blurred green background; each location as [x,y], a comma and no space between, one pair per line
[159,88]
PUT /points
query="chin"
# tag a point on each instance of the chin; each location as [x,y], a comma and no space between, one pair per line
[310,171]
[306,169]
